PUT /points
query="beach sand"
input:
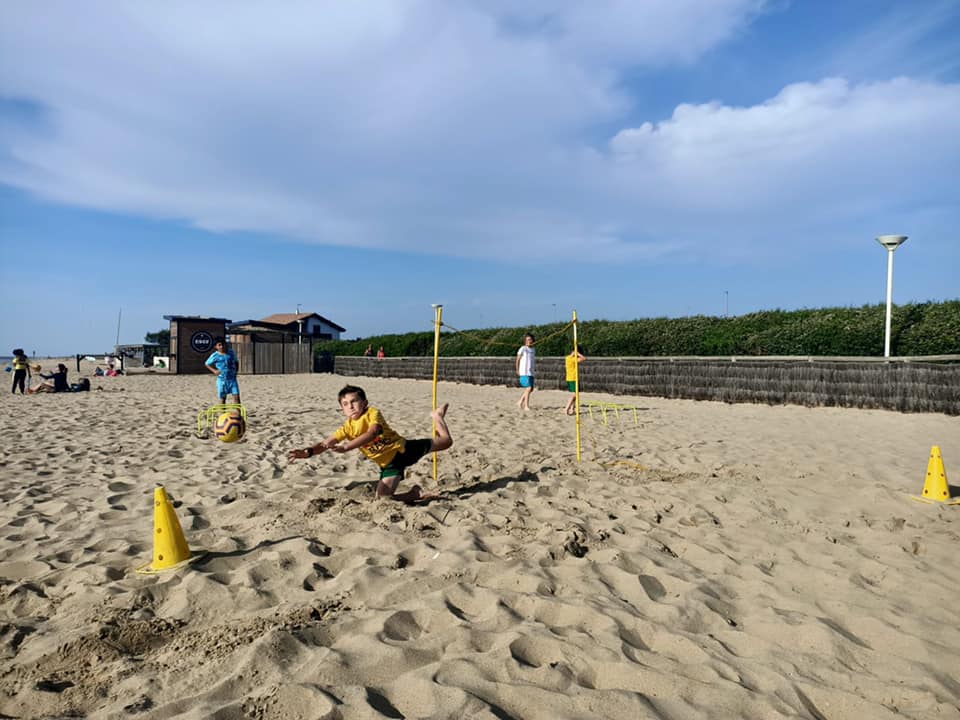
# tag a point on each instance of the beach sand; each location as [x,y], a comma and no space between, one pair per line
[711,561]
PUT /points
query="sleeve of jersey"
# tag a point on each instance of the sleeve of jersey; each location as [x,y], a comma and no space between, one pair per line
[374,418]
[341,433]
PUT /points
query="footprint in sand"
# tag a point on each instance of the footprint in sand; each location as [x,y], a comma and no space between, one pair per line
[652,587]
[401,627]
[319,574]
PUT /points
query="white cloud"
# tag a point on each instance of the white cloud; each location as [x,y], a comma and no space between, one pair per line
[463,128]
[818,146]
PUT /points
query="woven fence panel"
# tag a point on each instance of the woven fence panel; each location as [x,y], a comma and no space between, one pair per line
[907,387]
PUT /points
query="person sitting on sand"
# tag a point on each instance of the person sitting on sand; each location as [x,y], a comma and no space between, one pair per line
[57,381]
[366,429]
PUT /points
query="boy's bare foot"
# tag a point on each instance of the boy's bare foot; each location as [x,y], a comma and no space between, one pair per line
[416,496]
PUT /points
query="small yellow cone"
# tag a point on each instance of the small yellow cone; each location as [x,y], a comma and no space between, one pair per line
[169,546]
[935,487]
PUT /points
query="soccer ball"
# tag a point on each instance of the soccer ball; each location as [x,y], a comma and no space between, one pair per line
[229,427]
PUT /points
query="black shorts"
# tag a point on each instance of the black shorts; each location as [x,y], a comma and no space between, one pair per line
[414,450]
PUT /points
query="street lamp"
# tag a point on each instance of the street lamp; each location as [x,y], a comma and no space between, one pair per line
[891,243]
[726,303]
[299,326]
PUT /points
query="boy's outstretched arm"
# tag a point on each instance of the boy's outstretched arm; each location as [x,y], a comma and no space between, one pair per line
[301,453]
[358,441]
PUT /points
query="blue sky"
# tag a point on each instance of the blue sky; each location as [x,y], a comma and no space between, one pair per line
[513,161]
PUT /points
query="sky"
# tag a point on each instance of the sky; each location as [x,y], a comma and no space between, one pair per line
[512,161]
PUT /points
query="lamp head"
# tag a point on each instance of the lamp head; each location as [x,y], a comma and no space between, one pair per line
[891,242]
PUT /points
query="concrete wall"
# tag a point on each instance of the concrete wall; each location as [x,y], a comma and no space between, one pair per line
[904,386]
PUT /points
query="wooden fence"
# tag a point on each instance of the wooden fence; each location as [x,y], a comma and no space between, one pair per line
[265,358]
[907,386]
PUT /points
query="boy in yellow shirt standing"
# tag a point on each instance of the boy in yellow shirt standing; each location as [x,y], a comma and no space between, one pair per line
[366,429]
[573,361]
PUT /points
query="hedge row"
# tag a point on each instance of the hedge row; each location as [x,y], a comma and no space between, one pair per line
[931,328]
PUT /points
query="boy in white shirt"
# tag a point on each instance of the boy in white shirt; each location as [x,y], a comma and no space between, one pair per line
[526,360]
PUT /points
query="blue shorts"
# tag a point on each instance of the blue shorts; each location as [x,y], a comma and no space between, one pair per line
[227,386]
[526,381]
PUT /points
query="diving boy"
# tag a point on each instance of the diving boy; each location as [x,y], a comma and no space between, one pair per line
[366,430]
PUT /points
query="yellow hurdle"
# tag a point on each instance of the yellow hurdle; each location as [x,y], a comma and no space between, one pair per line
[206,418]
[603,407]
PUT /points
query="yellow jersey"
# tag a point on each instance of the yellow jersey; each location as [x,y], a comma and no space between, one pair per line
[572,361]
[19,362]
[384,447]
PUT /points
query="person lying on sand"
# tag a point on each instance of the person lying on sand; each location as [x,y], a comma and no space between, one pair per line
[366,430]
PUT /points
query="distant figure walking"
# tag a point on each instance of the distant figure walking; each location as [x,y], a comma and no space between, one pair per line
[381,354]
[21,368]
[526,361]
[369,351]
[224,364]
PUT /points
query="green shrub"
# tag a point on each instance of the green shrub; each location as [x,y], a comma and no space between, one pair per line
[930,328]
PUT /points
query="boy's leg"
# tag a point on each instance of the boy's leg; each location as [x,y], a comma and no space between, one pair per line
[388,485]
[525,399]
[443,440]
[387,488]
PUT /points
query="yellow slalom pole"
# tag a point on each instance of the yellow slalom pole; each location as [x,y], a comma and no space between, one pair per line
[576,375]
[436,365]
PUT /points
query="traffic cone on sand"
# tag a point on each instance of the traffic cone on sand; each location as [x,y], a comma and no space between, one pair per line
[935,487]
[169,546]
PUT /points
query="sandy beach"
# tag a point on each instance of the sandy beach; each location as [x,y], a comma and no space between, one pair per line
[709,561]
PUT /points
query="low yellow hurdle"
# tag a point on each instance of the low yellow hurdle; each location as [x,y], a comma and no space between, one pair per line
[603,407]
[206,418]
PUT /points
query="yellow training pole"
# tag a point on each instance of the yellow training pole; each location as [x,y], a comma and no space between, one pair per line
[436,364]
[576,375]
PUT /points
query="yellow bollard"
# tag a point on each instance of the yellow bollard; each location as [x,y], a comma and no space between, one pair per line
[935,487]
[169,546]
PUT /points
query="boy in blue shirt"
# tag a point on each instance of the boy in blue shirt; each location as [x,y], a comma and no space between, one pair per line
[223,363]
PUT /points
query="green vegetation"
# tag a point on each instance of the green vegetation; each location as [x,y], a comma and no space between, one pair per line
[931,328]
[161,337]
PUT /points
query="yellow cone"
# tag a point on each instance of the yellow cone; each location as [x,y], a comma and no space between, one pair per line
[935,487]
[169,546]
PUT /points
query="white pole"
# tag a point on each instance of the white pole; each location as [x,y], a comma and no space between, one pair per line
[891,243]
[886,341]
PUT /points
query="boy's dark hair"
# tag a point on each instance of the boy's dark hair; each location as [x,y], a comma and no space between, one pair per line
[19,351]
[347,389]
[529,335]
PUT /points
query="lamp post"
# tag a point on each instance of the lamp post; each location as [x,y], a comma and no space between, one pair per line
[726,303]
[891,243]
